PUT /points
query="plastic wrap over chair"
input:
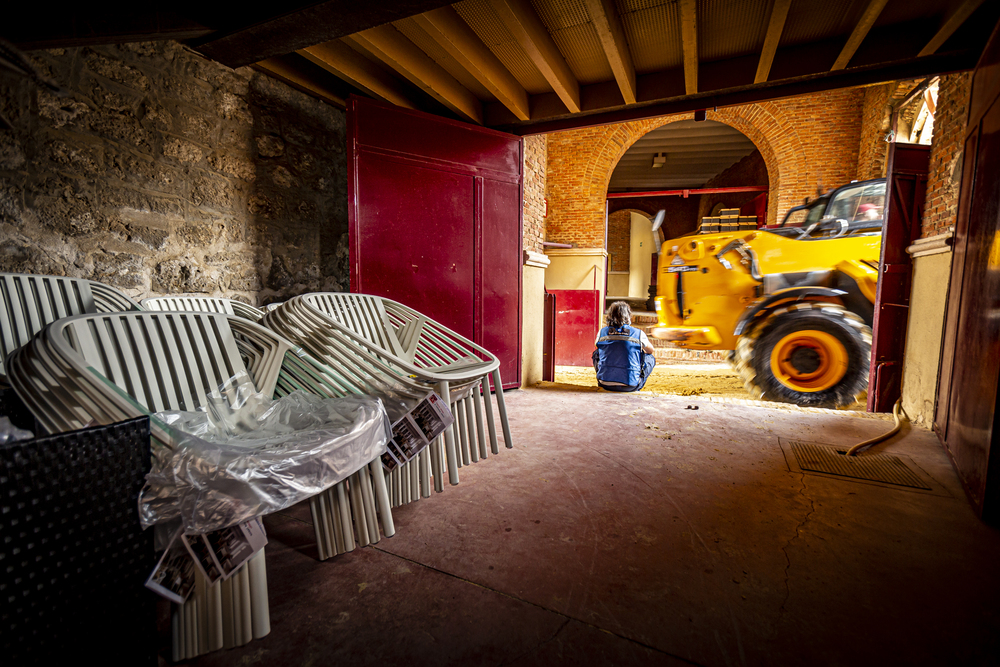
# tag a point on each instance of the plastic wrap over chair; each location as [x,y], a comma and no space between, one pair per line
[29,302]
[204,304]
[381,338]
[149,362]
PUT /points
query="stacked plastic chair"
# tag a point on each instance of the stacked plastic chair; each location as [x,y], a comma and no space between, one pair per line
[204,304]
[106,368]
[376,337]
[29,302]
[337,509]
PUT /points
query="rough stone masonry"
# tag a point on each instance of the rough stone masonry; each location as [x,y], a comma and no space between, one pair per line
[163,172]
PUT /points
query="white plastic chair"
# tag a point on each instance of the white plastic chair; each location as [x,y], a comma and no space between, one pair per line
[204,304]
[29,302]
[106,368]
[384,339]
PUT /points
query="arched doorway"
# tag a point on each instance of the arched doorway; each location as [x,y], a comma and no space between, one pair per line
[697,168]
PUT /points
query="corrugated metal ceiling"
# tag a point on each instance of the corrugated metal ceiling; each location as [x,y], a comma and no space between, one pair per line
[494,34]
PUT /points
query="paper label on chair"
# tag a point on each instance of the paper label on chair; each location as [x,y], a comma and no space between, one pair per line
[216,555]
[231,547]
[174,576]
[417,429]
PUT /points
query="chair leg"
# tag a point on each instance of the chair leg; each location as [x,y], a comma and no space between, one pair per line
[382,496]
[437,470]
[463,432]
[470,425]
[260,613]
[491,424]
[425,471]
[449,439]
[502,407]
[368,503]
[477,401]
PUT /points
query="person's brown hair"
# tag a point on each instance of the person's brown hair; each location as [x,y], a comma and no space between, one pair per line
[619,315]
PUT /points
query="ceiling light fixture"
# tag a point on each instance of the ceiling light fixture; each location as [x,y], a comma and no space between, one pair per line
[659,159]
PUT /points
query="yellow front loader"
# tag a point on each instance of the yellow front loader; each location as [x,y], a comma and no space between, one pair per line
[793,303]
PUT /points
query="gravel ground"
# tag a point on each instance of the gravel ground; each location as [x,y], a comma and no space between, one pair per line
[682,378]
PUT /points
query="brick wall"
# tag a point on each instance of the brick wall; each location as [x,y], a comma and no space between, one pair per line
[535,159]
[619,239]
[945,176]
[805,142]
[751,170]
[874,124]
[164,172]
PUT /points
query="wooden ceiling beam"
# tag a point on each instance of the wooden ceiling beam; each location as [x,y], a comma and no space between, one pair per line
[529,31]
[284,71]
[601,113]
[775,26]
[395,50]
[865,23]
[347,64]
[297,24]
[612,36]
[951,24]
[689,42]
[448,29]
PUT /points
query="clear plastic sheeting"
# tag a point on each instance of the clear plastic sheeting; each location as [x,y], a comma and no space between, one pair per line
[243,455]
[10,433]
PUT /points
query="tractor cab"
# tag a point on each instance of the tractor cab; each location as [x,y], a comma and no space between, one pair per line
[854,209]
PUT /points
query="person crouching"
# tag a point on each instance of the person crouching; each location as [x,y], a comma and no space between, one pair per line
[624,356]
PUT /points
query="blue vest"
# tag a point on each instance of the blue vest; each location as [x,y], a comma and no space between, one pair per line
[620,357]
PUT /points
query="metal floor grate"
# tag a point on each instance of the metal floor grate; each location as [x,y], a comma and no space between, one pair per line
[873,467]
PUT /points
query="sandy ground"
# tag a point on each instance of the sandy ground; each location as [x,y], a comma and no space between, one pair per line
[682,378]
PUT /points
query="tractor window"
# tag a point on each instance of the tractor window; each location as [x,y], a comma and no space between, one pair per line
[858,204]
[805,215]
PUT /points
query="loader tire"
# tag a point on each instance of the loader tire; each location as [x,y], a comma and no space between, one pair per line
[809,353]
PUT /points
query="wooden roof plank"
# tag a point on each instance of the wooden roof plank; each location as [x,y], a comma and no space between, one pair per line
[289,74]
[528,30]
[951,24]
[449,30]
[689,42]
[345,63]
[865,23]
[402,55]
[775,26]
[612,35]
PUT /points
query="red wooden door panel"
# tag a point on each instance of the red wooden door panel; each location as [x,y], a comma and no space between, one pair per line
[970,367]
[905,189]
[577,324]
[404,240]
[435,222]
[500,276]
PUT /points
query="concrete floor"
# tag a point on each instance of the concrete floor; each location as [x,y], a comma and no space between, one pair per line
[628,530]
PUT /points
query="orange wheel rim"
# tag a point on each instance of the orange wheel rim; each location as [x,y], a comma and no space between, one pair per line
[809,361]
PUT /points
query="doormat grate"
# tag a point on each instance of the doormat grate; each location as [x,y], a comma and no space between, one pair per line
[872,467]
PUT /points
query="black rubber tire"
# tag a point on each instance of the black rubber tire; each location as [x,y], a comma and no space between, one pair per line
[753,354]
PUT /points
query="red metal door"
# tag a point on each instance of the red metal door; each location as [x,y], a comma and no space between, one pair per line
[577,324]
[435,222]
[906,185]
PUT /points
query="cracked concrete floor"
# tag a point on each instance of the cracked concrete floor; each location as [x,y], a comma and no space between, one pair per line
[628,530]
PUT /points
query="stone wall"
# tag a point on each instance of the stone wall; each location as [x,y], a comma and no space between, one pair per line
[163,172]
[945,176]
[535,158]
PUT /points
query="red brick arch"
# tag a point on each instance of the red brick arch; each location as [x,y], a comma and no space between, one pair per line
[804,142]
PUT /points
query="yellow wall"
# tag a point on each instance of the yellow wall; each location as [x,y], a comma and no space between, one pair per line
[576,268]
[924,329]
[618,284]
[532,324]
[640,249]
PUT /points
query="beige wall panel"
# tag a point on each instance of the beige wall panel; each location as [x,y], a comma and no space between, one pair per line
[923,335]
